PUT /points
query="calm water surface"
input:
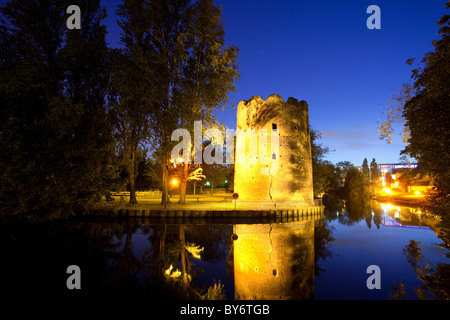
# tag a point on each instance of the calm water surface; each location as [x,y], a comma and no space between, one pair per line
[324,258]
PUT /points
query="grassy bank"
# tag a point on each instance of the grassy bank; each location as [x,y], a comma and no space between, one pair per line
[219,201]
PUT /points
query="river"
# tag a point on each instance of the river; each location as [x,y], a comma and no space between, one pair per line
[377,251]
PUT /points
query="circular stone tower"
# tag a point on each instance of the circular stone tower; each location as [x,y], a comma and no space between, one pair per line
[287,179]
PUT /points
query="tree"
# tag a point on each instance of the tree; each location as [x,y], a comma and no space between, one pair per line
[393,114]
[344,167]
[425,113]
[356,184]
[209,73]
[192,69]
[319,166]
[148,175]
[55,139]
[130,105]
[187,173]
[365,168]
[196,176]
[374,171]
[216,174]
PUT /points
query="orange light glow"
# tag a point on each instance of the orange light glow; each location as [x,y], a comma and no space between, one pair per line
[387,190]
[174,182]
[417,192]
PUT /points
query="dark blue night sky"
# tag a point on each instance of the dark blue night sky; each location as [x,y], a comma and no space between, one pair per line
[321,51]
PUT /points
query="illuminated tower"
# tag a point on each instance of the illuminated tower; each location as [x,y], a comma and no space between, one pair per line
[292,181]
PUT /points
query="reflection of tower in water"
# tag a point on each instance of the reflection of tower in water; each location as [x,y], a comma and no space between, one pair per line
[274,261]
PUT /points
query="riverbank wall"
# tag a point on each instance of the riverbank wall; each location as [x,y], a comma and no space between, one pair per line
[285,215]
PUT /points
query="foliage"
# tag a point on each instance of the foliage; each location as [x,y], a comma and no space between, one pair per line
[424,108]
[427,115]
[196,175]
[55,139]
[148,175]
[216,174]
[130,102]
[393,114]
[215,292]
[373,171]
[325,175]
[344,166]
[365,168]
[183,45]
[356,185]
[322,239]
[434,283]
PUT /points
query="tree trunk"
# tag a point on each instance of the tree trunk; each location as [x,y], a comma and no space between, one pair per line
[195,185]
[183,183]
[165,184]
[133,178]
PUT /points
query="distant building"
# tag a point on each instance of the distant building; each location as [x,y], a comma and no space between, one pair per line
[388,169]
[399,176]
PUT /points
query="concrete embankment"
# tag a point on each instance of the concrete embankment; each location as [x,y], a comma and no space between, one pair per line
[238,215]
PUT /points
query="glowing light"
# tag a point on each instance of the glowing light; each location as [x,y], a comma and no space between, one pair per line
[387,190]
[174,182]
[417,192]
[208,183]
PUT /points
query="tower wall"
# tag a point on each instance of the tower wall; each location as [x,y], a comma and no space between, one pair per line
[293,180]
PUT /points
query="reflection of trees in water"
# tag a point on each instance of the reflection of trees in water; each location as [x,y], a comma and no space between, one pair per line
[166,269]
[355,210]
[35,257]
[126,259]
[358,210]
[435,284]
[170,245]
[301,285]
[124,266]
[322,238]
